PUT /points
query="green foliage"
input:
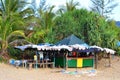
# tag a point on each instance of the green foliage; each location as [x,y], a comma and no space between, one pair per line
[18,54]
[12,20]
[88,26]
[118,51]
[91,27]
[15,53]
[74,22]
[44,22]
[2,60]
[69,6]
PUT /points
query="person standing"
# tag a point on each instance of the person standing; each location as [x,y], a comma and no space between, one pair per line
[35,59]
[41,56]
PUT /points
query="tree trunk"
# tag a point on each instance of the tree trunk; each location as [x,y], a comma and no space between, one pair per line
[4,54]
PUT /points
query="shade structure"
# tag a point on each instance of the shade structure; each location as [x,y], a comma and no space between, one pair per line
[80,47]
[97,48]
[107,50]
[71,40]
[24,47]
[45,44]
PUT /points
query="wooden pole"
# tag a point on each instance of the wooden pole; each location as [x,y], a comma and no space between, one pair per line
[95,59]
[66,61]
[54,59]
[63,60]
[76,59]
[109,59]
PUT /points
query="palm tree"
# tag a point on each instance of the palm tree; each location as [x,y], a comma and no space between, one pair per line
[12,21]
[43,23]
[70,6]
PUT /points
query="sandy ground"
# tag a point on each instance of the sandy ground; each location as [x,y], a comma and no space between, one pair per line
[8,72]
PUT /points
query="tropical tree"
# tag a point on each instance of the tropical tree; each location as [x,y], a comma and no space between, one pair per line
[44,22]
[13,15]
[103,7]
[69,23]
[113,33]
[88,26]
[70,6]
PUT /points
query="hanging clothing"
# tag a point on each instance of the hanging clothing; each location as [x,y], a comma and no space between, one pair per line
[41,55]
[35,58]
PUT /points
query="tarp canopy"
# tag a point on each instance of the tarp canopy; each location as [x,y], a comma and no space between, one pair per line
[28,46]
[71,40]
[47,44]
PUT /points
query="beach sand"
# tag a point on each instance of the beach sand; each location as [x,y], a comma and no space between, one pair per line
[9,72]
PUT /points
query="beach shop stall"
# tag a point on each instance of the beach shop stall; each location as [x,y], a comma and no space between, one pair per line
[81,57]
[74,58]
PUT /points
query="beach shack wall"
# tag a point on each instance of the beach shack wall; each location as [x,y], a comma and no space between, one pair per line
[73,59]
[81,58]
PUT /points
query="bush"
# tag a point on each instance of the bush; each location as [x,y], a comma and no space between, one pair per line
[2,60]
[14,53]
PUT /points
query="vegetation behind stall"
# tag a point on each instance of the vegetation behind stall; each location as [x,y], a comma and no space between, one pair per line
[43,24]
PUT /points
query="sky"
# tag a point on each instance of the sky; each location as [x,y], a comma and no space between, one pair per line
[86,4]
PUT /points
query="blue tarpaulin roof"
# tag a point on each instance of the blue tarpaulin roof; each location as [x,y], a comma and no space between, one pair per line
[71,40]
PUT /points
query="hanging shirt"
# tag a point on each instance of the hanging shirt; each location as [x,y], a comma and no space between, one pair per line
[35,57]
